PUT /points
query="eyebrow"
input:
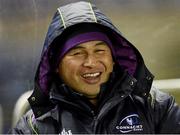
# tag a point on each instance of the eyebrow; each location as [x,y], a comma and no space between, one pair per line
[100,43]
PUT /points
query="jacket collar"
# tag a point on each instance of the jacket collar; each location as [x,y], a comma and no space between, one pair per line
[144,83]
[39,102]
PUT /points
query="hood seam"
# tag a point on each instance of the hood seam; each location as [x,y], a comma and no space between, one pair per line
[64,24]
[90,6]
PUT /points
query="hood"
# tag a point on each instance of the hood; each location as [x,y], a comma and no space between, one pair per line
[82,13]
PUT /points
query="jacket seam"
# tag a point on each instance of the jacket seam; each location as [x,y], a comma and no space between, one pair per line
[31,125]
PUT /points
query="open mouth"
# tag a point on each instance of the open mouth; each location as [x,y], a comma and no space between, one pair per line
[92,75]
[92,78]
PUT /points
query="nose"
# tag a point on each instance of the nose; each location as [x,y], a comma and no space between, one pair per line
[90,61]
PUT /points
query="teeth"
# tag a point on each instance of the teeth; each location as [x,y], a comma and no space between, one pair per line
[91,74]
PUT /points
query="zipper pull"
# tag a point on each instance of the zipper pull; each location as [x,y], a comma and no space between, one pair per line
[93,113]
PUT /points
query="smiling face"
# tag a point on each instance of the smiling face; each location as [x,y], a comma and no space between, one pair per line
[86,66]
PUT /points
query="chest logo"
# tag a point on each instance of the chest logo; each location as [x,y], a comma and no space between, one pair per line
[64,132]
[130,123]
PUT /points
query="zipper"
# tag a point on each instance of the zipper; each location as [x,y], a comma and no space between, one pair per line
[104,110]
[114,100]
[94,125]
[110,105]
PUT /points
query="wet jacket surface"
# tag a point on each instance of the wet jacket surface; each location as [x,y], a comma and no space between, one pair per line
[128,103]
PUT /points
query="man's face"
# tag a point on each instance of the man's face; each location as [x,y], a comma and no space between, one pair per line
[85,67]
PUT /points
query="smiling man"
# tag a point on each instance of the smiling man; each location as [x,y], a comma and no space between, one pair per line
[86,66]
[91,80]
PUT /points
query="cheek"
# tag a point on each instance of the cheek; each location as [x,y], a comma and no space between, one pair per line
[68,68]
[109,63]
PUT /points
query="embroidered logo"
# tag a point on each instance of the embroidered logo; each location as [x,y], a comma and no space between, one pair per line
[130,123]
[64,132]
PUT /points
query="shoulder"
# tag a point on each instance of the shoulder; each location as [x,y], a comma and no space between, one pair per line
[25,125]
[45,124]
[166,111]
[161,98]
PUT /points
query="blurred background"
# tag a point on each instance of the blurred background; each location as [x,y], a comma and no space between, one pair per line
[153,26]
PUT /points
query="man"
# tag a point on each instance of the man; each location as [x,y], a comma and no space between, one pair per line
[91,80]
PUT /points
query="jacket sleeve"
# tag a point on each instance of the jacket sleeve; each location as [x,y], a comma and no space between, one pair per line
[24,125]
[166,113]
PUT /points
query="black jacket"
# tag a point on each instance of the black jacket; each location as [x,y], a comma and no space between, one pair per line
[127,102]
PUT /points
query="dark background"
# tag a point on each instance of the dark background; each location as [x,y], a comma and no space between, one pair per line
[152,25]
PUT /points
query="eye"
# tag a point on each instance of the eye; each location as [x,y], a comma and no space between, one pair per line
[77,53]
[100,51]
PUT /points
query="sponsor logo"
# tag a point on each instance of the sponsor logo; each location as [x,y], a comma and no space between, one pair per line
[64,132]
[130,123]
